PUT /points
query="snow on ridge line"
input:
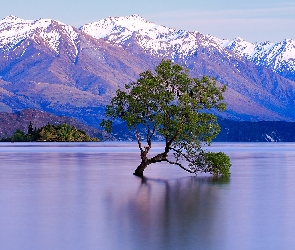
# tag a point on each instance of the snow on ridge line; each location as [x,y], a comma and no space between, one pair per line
[11,19]
[14,29]
[273,55]
[151,37]
[133,23]
[115,26]
[21,26]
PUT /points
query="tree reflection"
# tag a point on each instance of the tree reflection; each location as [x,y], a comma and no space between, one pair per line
[177,213]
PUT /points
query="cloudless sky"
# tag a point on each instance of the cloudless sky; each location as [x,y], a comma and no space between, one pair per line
[252,20]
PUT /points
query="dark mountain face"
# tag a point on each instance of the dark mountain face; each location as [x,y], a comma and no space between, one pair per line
[62,70]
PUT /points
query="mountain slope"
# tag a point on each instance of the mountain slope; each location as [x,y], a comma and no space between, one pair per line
[51,66]
[156,40]
[162,41]
[75,78]
[253,91]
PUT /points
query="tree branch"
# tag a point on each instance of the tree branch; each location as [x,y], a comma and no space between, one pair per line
[181,154]
[176,134]
[138,138]
[158,158]
[178,164]
[172,139]
[150,137]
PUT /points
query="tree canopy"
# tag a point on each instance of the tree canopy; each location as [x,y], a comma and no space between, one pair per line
[168,102]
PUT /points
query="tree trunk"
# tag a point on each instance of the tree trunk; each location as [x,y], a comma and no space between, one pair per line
[141,168]
[145,162]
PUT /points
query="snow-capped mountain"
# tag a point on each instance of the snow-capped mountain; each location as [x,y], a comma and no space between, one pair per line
[155,39]
[162,41]
[14,30]
[51,66]
[280,57]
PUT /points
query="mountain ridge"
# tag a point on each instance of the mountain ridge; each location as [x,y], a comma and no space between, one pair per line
[262,53]
[67,71]
[280,57]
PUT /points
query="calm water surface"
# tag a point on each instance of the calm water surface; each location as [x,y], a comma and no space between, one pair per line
[84,196]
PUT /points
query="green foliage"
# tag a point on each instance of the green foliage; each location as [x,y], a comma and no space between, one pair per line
[170,103]
[62,133]
[52,133]
[215,163]
[19,136]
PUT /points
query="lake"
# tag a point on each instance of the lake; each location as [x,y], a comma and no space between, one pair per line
[84,196]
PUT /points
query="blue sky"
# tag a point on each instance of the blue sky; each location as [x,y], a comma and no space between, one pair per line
[253,20]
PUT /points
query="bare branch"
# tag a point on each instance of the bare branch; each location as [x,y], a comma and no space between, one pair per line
[159,158]
[178,164]
[178,151]
[138,138]
[151,136]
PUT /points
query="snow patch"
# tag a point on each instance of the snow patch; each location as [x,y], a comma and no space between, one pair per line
[155,39]
[277,56]
[269,138]
[14,30]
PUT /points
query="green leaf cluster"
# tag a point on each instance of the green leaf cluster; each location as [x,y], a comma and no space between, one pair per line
[215,163]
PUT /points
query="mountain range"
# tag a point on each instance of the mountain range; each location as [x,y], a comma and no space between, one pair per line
[53,67]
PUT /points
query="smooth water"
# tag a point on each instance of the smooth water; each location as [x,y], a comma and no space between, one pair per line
[84,196]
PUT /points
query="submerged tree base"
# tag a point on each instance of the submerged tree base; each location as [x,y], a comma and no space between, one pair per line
[139,170]
[138,174]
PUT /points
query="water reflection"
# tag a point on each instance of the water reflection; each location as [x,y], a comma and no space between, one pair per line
[177,214]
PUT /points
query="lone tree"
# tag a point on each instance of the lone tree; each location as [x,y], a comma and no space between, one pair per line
[169,103]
